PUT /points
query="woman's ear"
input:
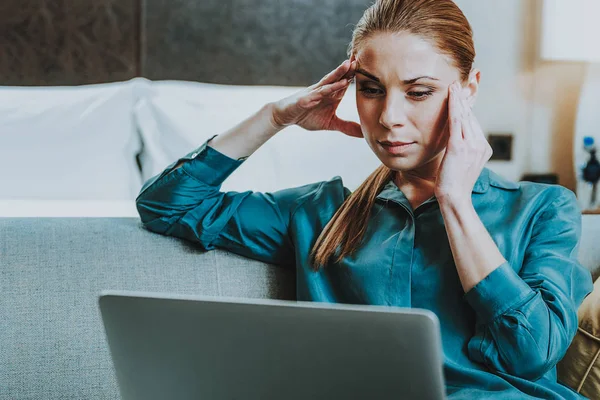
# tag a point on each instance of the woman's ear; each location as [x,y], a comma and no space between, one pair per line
[472,87]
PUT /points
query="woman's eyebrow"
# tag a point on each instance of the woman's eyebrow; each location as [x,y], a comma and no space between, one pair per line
[410,81]
[367,74]
[406,82]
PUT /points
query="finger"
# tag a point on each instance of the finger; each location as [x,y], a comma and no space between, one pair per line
[477,139]
[327,90]
[489,152]
[473,131]
[486,148]
[336,74]
[352,70]
[476,128]
[454,114]
[350,128]
[468,132]
[350,80]
[339,94]
[307,103]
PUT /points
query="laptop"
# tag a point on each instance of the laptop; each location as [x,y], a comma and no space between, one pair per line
[225,348]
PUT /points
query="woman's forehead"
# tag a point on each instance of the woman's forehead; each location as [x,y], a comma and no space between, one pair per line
[401,56]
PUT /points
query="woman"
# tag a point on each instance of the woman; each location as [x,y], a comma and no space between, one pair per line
[430,228]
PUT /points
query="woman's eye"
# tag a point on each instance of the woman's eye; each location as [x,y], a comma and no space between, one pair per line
[420,95]
[369,91]
[416,95]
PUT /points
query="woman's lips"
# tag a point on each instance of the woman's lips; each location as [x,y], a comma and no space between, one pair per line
[397,149]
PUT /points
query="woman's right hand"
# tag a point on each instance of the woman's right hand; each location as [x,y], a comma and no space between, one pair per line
[314,108]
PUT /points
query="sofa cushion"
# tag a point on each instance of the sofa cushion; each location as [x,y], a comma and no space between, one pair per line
[580,368]
[69,143]
[174,117]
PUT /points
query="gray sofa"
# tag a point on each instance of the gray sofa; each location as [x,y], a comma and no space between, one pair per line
[52,343]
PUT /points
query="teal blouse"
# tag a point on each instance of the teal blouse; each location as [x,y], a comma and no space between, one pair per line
[501,340]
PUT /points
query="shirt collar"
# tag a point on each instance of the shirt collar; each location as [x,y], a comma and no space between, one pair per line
[487,177]
[391,192]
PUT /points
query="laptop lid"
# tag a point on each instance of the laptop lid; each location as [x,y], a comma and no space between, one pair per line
[217,348]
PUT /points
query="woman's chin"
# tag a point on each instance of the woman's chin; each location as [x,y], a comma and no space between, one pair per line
[399,163]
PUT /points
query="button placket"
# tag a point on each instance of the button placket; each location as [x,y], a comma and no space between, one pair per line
[399,293]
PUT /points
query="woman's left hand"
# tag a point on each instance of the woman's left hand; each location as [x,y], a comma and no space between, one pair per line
[466,153]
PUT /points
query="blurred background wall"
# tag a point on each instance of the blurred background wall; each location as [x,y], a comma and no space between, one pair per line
[280,42]
[521,94]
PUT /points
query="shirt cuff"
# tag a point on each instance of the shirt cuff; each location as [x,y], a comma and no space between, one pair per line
[209,165]
[501,290]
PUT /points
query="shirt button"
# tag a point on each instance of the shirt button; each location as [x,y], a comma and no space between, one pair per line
[194,155]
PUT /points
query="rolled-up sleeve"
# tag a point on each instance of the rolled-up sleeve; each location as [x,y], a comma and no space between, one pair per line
[527,314]
[187,202]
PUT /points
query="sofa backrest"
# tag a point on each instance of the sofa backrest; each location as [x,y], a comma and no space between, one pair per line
[52,269]
[51,272]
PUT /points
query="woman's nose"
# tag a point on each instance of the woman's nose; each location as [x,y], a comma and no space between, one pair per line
[394,111]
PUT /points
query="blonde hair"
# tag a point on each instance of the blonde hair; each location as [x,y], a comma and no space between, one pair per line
[444,25]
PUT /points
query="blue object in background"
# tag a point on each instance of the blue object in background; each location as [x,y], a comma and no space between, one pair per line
[591,170]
